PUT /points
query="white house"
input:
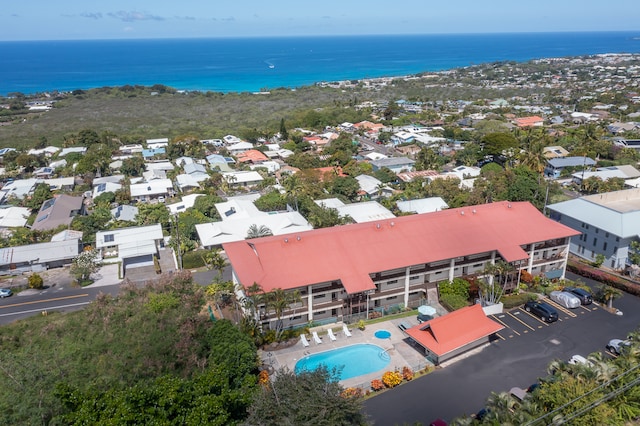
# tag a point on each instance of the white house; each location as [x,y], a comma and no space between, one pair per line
[134,247]
[152,190]
[422,205]
[243,178]
[186,202]
[13,217]
[157,143]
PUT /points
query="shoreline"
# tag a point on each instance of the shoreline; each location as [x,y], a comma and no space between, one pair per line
[239,65]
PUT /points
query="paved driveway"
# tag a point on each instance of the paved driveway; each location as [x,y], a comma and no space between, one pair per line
[519,360]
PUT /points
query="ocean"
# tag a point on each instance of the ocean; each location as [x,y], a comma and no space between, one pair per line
[252,64]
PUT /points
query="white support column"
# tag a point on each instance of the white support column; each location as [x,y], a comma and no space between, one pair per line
[452,265]
[310,303]
[532,251]
[407,280]
[566,260]
[493,262]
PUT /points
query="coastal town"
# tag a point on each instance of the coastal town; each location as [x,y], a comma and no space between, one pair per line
[439,203]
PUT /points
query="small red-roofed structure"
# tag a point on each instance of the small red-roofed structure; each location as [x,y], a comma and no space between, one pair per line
[455,333]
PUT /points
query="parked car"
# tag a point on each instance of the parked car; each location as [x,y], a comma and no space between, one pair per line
[5,292]
[579,359]
[615,345]
[566,299]
[582,294]
[543,310]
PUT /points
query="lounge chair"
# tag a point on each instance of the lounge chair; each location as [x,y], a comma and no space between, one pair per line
[404,325]
[331,335]
[304,340]
[346,331]
[316,338]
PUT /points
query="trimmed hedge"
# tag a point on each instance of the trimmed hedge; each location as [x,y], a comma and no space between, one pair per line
[604,277]
[513,300]
[453,302]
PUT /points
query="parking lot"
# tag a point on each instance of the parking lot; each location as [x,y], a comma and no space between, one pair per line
[518,322]
[519,356]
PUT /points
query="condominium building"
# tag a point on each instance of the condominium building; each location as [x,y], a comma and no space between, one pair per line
[354,269]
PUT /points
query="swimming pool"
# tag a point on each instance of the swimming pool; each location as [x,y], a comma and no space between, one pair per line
[382,334]
[355,360]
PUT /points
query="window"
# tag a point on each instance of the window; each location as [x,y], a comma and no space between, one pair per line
[392,282]
[604,246]
[595,241]
[606,234]
[108,238]
[597,229]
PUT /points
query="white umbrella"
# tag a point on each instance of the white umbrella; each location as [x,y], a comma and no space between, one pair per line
[427,310]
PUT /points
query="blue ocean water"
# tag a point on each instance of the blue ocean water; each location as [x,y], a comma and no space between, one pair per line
[251,64]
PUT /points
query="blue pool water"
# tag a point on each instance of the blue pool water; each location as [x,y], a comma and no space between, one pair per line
[382,334]
[355,360]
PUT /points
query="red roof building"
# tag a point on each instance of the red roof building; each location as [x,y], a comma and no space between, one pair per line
[533,121]
[251,156]
[448,336]
[351,269]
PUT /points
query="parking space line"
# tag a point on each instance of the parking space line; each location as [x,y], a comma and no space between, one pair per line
[520,321]
[560,307]
[498,334]
[506,326]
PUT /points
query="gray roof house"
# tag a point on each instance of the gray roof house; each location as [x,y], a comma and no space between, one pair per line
[38,257]
[395,164]
[58,211]
[555,166]
[609,222]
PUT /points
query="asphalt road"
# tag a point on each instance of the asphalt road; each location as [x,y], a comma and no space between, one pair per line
[463,387]
[55,298]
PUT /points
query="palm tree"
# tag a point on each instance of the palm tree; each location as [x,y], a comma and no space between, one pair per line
[279,300]
[256,231]
[609,294]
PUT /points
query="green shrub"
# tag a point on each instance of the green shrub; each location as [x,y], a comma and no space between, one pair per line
[36,281]
[458,287]
[513,300]
[453,302]
[192,259]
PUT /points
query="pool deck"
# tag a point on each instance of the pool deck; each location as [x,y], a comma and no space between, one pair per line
[402,354]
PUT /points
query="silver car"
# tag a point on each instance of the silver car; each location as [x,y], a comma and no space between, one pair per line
[563,298]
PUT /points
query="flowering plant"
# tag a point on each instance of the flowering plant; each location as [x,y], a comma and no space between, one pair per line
[391,379]
[351,393]
[263,377]
[377,384]
[407,373]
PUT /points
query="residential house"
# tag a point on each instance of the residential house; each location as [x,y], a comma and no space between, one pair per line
[186,202]
[57,211]
[395,164]
[43,173]
[61,184]
[13,217]
[38,257]
[526,122]
[105,187]
[346,271]
[373,188]
[422,205]
[421,174]
[72,150]
[366,211]
[239,214]
[554,152]
[48,151]
[242,178]
[218,162]
[150,153]
[627,143]
[555,166]
[605,173]
[158,189]
[125,213]
[157,143]
[18,189]
[607,224]
[135,247]
[251,156]
[239,147]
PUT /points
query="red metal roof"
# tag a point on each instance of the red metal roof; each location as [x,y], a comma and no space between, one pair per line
[350,253]
[452,331]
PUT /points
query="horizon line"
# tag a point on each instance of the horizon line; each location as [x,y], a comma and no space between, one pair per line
[235,37]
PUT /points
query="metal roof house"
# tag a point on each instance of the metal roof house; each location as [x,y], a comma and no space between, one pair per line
[608,223]
[38,257]
[346,271]
[555,166]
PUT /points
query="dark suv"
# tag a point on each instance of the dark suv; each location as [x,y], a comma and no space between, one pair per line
[584,296]
[543,310]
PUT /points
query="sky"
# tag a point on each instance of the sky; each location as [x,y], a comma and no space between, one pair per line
[121,19]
